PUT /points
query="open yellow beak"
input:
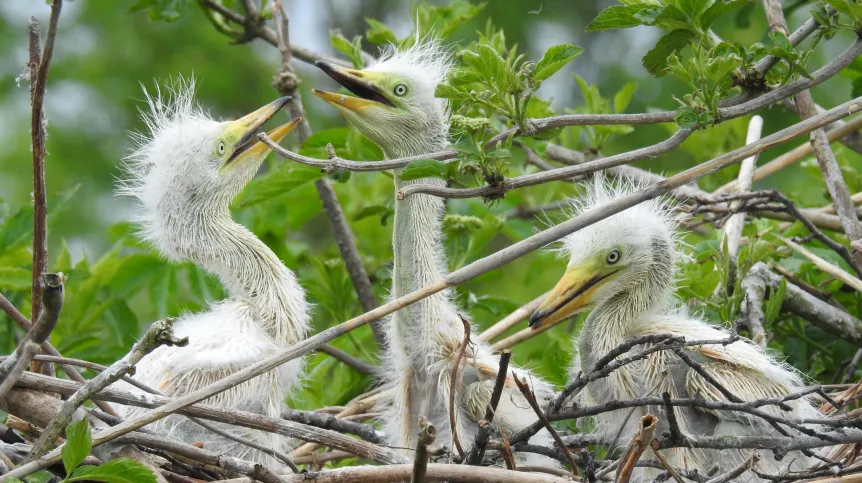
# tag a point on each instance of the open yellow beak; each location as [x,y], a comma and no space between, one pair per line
[573,293]
[360,83]
[248,145]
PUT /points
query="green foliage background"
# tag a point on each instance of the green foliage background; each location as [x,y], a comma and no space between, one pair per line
[117,286]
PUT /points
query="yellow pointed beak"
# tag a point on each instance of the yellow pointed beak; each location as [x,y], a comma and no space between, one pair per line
[361,83]
[277,134]
[343,100]
[248,127]
[573,293]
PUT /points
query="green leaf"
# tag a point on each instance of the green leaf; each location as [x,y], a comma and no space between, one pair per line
[277,182]
[624,97]
[120,470]
[352,49]
[554,59]
[672,18]
[424,168]
[717,9]
[694,8]
[857,87]
[441,21]
[617,17]
[166,10]
[446,91]
[687,118]
[847,8]
[63,263]
[773,305]
[373,210]
[781,41]
[15,278]
[499,153]
[337,137]
[79,442]
[655,61]
[379,33]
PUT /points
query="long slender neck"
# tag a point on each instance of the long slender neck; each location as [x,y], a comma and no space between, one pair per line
[248,269]
[419,257]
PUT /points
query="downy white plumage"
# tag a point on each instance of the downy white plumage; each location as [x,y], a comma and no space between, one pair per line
[393,104]
[624,268]
[184,172]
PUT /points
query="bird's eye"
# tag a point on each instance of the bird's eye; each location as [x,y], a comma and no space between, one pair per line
[221,147]
[400,90]
[613,256]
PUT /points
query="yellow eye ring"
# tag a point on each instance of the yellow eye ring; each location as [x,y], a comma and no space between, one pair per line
[221,148]
[614,256]
[400,90]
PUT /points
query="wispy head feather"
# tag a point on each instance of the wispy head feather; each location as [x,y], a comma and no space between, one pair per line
[167,161]
[426,62]
[168,106]
[427,57]
[636,225]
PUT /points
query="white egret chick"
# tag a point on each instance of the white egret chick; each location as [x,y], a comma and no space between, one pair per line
[393,104]
[624,269]
[184,173]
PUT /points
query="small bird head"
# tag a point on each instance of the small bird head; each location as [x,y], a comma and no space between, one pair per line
[392,102]
[633,253]
[188,164]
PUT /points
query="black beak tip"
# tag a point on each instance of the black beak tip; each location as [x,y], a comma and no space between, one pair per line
[282,101]
[536,318]
[323,65]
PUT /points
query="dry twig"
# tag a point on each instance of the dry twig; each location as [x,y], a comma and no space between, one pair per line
[427,434]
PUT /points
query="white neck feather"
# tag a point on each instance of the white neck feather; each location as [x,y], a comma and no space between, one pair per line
[419,259]
[250,272]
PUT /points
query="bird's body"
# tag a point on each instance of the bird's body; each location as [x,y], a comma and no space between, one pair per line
[184,174]
[395,107]
[624,268]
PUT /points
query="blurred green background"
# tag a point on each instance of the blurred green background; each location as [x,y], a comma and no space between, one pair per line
[105,53]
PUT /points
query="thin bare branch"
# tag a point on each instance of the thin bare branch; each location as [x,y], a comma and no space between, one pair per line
[160,333]
[427,434]
[510,320]
[454,382]
[51,289]
[49,349]
[813,309]
[820,144]
[477,452]
[733,226]
[637,446]
[353,362]
[822,264]
[268,35]
[37,132]
[496,191]
[531,399]
[795,155]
